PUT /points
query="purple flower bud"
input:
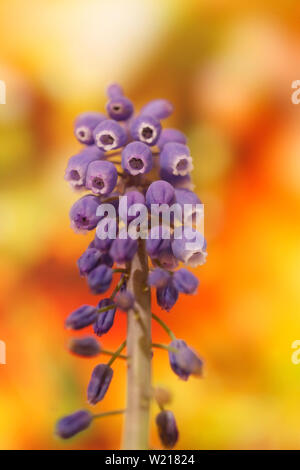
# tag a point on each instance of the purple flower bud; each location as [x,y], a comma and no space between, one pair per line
[99,383]
[159,240]
[85,124]
[167,428]
[102,245]
[170,135]
[146,129]
[84,347]
[166,259]
[124,300]
[160,192]
[73,424]
[185,361]
[109,135]
[81,317]
[158,277]
[178,182]
[189,201]
[137,158]
[106,259]
[175,159]
[119,108]
[99,279]
[83,213]
[190,249]
[104,320]
[133,197]
[101,177]
[77,166]
[185,281]
[88,261]
[114,91]
[167,296]
[159,109]
[123,250]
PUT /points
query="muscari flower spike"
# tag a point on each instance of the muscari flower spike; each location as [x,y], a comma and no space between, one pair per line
[131,137]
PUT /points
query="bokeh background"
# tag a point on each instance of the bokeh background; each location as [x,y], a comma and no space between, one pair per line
[228,69]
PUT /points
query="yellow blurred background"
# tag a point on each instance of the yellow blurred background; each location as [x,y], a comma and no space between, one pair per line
[228,69]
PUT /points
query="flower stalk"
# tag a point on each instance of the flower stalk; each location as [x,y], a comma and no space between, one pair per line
[136,429]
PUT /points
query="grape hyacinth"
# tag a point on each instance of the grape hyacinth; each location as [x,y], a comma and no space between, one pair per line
[143,214]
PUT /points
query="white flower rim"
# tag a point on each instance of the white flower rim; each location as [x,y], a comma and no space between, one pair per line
[186,170]
[150,139]
[106,147]
[86,131]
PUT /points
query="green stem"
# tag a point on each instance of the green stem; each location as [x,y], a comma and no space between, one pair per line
[108,413]
[116,354]
[164,346]
[105,309]
[117,288]
[111,353]
[164,326]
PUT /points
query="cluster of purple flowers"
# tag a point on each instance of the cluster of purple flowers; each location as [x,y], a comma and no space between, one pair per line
[153,167]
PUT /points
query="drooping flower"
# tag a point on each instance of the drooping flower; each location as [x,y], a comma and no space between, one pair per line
[77,167]
[160,192]
[99,279]
[190,248]
[123,250]
[119,108]
[158,241]
[88,260]
[159,109]
[177,181]
[185,281]
[167,428]
[124,300]
[176,159]
[105,320]
[190,204]
[81,317]
[132,197]
[185,361]
[158,277]
[170,135]
[137,158]
[109,135]
[101,177]
[167,296]
[70,425]
[99,383]
[85,124]
[145,129]
[87,346]
[83,213]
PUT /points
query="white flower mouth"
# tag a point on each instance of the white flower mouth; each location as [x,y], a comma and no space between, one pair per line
[83,134]
[147,133]
[74,176]
[106,140]
[182,165]
[136,165]
[194,259]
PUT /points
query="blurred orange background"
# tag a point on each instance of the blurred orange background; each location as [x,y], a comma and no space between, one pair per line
[228,69]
